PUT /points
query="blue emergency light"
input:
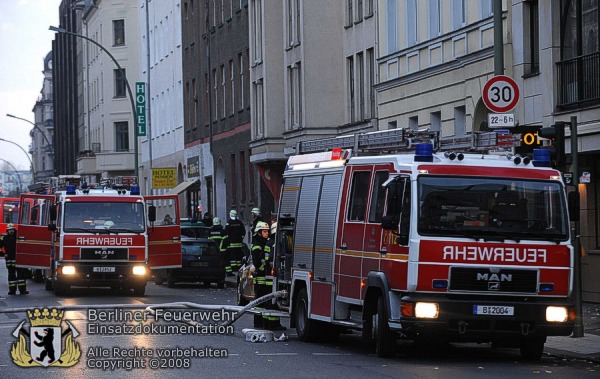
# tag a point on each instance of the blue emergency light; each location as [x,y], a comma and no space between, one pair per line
[541,157]
[71,189]
[423,152]
[135,190]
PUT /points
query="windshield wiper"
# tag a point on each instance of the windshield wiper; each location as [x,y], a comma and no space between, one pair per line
[83,230]
[504,235]
[124,230]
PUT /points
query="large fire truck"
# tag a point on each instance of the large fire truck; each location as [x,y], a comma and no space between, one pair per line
[103,235]
[400,235]
[9,211]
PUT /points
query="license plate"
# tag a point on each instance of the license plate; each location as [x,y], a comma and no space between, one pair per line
[199,264]
[493,310]
[104,269]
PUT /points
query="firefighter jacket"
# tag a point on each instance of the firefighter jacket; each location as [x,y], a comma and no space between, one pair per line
[261,259]
[9,243]
[217,234]
[235,232]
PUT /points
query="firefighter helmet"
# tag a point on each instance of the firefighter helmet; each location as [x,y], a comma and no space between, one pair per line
[10,226]
[255,212]
[261,225]
[216,221]
[233,214]
[274,227]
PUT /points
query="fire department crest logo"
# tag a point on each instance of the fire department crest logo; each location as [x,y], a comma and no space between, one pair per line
[45,346]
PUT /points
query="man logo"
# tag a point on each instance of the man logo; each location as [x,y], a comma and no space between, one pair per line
[45,341]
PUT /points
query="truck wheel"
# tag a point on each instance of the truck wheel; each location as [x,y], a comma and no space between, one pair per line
[170,280]
[139,289]
[158,278]
[48,284]
[60,289]
[304,325]
[38,276]
[241,300]
[532,348]
[385,342]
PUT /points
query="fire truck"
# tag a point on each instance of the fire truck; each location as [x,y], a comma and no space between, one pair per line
[403,234]
[9,210]
[102,235]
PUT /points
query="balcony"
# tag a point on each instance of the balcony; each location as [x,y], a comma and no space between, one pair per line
[579,81]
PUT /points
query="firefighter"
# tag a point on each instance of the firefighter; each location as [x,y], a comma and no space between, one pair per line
[217,234]
[234,242]
[16,276]
[255,212]
[207,219]
[263,281]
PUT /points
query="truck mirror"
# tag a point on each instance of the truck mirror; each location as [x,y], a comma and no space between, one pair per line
[574,205]
[389,223]
[152,213]
[53,212]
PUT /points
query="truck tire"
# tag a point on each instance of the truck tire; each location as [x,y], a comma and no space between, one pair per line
[158,278]
[170,280]
[48,284]
[241,300]
[385,343]
[532,348]
[139,289]
[305,327]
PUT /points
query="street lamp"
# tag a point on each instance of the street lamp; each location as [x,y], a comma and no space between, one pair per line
[135,124]
[28,157]
[34,125]
[18,175]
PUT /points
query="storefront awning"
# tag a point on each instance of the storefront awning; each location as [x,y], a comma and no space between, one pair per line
[183,186]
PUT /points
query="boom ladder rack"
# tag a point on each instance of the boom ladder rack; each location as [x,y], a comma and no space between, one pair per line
[402,140]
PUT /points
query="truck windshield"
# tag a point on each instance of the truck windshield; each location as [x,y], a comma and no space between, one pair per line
[119,217]
[492,208]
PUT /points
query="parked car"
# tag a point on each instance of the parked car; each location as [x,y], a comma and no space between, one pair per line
[245,282]
[194,229]
[201,262]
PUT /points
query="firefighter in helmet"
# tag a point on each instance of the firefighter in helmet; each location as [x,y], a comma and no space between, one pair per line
[217,234]
[16,276]
[256,218]
[234,242]
[263,281]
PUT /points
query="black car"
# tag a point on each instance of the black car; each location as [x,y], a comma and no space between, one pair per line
[201,262]
[194,229]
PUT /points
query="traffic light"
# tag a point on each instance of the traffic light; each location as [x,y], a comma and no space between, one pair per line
[556,134]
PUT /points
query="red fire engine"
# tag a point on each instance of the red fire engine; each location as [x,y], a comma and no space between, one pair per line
[100,236]
[471,246]
[9,210]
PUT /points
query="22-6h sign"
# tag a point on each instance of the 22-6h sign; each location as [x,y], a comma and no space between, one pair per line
[500,94]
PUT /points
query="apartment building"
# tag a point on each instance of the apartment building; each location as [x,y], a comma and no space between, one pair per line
[41,149]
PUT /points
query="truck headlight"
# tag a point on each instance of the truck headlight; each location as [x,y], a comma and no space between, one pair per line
[68,270]
[139,270]
[557,314]
[426,310]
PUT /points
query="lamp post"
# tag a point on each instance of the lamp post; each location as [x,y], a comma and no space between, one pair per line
[28,157]
[131,99]
[34,125]
[17,172]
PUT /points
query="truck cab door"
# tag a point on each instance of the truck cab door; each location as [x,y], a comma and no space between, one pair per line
[164,238]
[34,239]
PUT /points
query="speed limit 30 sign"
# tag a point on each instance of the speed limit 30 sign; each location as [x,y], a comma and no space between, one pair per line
[500,94]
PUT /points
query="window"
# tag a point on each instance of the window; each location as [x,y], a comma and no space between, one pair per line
[243,176]
[251,176]
[398,205]
[436,121]
[120,85]
[242,68]
[458,14]
[392,124]
[370,84]
[216,94]
[121,136]
[435,18]
[392,24]
[411,22]
[195,100]
[378,200]
[233,178]
[258,30]
[349,12]
[369,8]
[295,95]
[358,196]
[232,85]
[413,123]
[460,121]
[223,87]
[360,62]
[258,108]
[118,32]
[359,10]
[293,24]
[486,8]
[351,96]
[534,37]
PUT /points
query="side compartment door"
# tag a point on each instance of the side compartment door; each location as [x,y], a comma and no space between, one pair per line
[164,239]
[34,239]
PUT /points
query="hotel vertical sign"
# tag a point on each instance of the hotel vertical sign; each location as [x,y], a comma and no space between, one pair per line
[140,108]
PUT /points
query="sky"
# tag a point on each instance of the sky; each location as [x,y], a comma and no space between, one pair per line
[24,41]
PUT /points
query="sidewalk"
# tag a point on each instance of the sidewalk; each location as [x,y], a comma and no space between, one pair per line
[586,347]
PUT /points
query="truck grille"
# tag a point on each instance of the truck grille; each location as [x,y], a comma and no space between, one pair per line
[485,279]
[104,253]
